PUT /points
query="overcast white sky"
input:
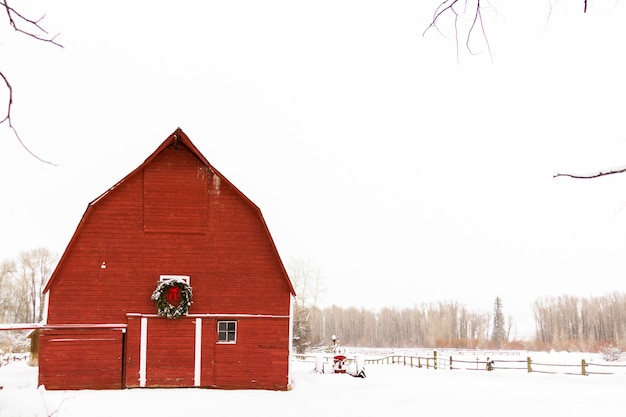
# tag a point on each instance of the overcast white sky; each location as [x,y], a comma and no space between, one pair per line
[404,175]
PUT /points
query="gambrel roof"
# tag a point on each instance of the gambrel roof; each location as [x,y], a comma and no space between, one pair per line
[177,138]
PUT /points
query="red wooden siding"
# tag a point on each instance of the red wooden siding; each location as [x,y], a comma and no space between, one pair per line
[170,353]
[260,357]
[132,353]
[233,266]
[175,206]
[209,338]
[80,359]
[177,215]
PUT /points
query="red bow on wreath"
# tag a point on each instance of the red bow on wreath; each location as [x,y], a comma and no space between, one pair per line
[172,295]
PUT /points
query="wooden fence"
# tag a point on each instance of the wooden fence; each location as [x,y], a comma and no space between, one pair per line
[485,364]
[8,358]
[441,362]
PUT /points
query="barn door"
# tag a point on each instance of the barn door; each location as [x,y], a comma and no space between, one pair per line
[87,358]
[167,353]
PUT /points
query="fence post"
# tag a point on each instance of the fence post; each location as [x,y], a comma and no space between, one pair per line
[411,361]
[435,359]
[528,364]
[450,362]
[419,362]
[583,364]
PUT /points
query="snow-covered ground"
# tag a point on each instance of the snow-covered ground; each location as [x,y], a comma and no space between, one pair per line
[388,389]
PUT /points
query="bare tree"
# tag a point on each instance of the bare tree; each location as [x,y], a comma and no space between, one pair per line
[467,21]
[308,287]
[32,28]
[21,284]
[9,293]
[567,320]
[442,324]
[35,267]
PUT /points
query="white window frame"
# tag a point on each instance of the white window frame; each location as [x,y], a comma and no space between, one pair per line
[227,332]
[183,278]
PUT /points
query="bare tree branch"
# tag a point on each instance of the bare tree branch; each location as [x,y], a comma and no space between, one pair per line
[7,117]
[478,18]
[458,9]
[34,30]
[445,6]
[590,176]
[14,15]
[449,7]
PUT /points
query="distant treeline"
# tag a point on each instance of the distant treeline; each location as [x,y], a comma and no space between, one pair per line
[564,322]
[566,318]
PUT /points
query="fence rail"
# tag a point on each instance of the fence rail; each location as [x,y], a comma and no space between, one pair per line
[8,358]
[439,362]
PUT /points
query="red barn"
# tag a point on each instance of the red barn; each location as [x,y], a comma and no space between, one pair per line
[171,279]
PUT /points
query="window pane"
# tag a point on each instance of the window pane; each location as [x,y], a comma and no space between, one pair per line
[227,331]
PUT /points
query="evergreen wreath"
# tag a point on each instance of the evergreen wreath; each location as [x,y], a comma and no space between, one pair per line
[173,298]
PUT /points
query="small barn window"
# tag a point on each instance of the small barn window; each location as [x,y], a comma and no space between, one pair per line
[183,278]
[226,331]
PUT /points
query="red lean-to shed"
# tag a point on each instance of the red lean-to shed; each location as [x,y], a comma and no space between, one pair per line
[171,279]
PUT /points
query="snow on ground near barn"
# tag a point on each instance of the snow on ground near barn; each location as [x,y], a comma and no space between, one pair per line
[388,389]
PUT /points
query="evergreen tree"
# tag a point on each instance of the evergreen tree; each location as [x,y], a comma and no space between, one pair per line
[499,333]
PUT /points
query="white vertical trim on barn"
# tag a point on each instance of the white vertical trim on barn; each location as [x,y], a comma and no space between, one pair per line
[143,349]
[197,371]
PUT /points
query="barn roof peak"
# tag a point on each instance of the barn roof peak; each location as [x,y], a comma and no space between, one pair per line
[177,139]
